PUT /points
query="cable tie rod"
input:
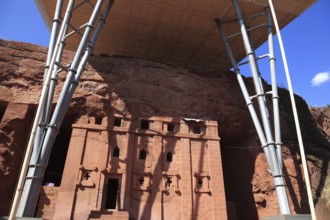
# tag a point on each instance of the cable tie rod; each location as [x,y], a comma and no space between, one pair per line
[75,30]
[78,5]
[258,58]
[250,29]
[235,20]
[90,4]
[65,68]
[255,96]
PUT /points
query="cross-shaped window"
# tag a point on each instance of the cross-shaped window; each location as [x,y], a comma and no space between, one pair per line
[87,175]
[141,180]
[168,181]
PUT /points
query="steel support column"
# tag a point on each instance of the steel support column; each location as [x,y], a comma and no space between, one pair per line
[275,97]
[263,128]
[46,126]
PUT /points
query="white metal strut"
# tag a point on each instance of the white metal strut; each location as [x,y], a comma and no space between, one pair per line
[271,147]
[46,125]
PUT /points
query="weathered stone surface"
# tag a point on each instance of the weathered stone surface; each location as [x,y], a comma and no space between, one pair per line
[142,88]
[13,135]
[322,117]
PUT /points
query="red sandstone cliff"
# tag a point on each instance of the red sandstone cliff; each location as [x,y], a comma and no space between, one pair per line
[142,88]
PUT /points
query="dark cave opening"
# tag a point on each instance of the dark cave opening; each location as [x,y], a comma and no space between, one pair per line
[55,167]
[3,107]
[238,169]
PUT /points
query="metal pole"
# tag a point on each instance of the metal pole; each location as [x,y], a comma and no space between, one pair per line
[61,107]
[88,51]
[258,70]
[18,201]
[55,27]
[295,113]
[273,160]
[275,97]
[53,81]
[75,81]
[64,98]
[245,93]
[29,149]
[255,119]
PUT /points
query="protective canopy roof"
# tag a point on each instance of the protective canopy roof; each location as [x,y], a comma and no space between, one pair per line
[176,31]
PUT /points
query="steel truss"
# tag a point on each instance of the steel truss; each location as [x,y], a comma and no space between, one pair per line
[46,125]
[271,147]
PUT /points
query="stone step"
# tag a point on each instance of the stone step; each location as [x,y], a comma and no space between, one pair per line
[109,215]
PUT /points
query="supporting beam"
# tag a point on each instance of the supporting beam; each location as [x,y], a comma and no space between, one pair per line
[46,127]
[274,164]
[295,113]
[263,127]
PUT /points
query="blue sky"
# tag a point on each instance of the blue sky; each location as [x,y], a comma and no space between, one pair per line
[306,41]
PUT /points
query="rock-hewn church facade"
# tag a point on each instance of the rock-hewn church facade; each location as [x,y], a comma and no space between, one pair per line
[152,168]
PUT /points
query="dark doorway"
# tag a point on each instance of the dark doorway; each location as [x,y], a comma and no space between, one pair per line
[111,198]
[55,167]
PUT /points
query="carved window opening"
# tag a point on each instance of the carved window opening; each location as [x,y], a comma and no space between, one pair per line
[145,124]
[116,152]
[117,122]
[170,127]
[168,181]
[196,129]
[169,156]
[200,182]
[143,154]
[87,175]
[98,120]
[141,180]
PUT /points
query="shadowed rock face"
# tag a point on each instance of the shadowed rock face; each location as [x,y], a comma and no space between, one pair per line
[142,88]
[322,118]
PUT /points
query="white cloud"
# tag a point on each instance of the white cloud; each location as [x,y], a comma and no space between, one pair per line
[320,78]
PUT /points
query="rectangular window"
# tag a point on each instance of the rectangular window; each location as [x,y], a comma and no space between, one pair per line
[196,129]
[170,127]
[145,124]
[98,120]
[117,122]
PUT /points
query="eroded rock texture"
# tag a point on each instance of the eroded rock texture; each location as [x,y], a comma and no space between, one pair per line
[142,88]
